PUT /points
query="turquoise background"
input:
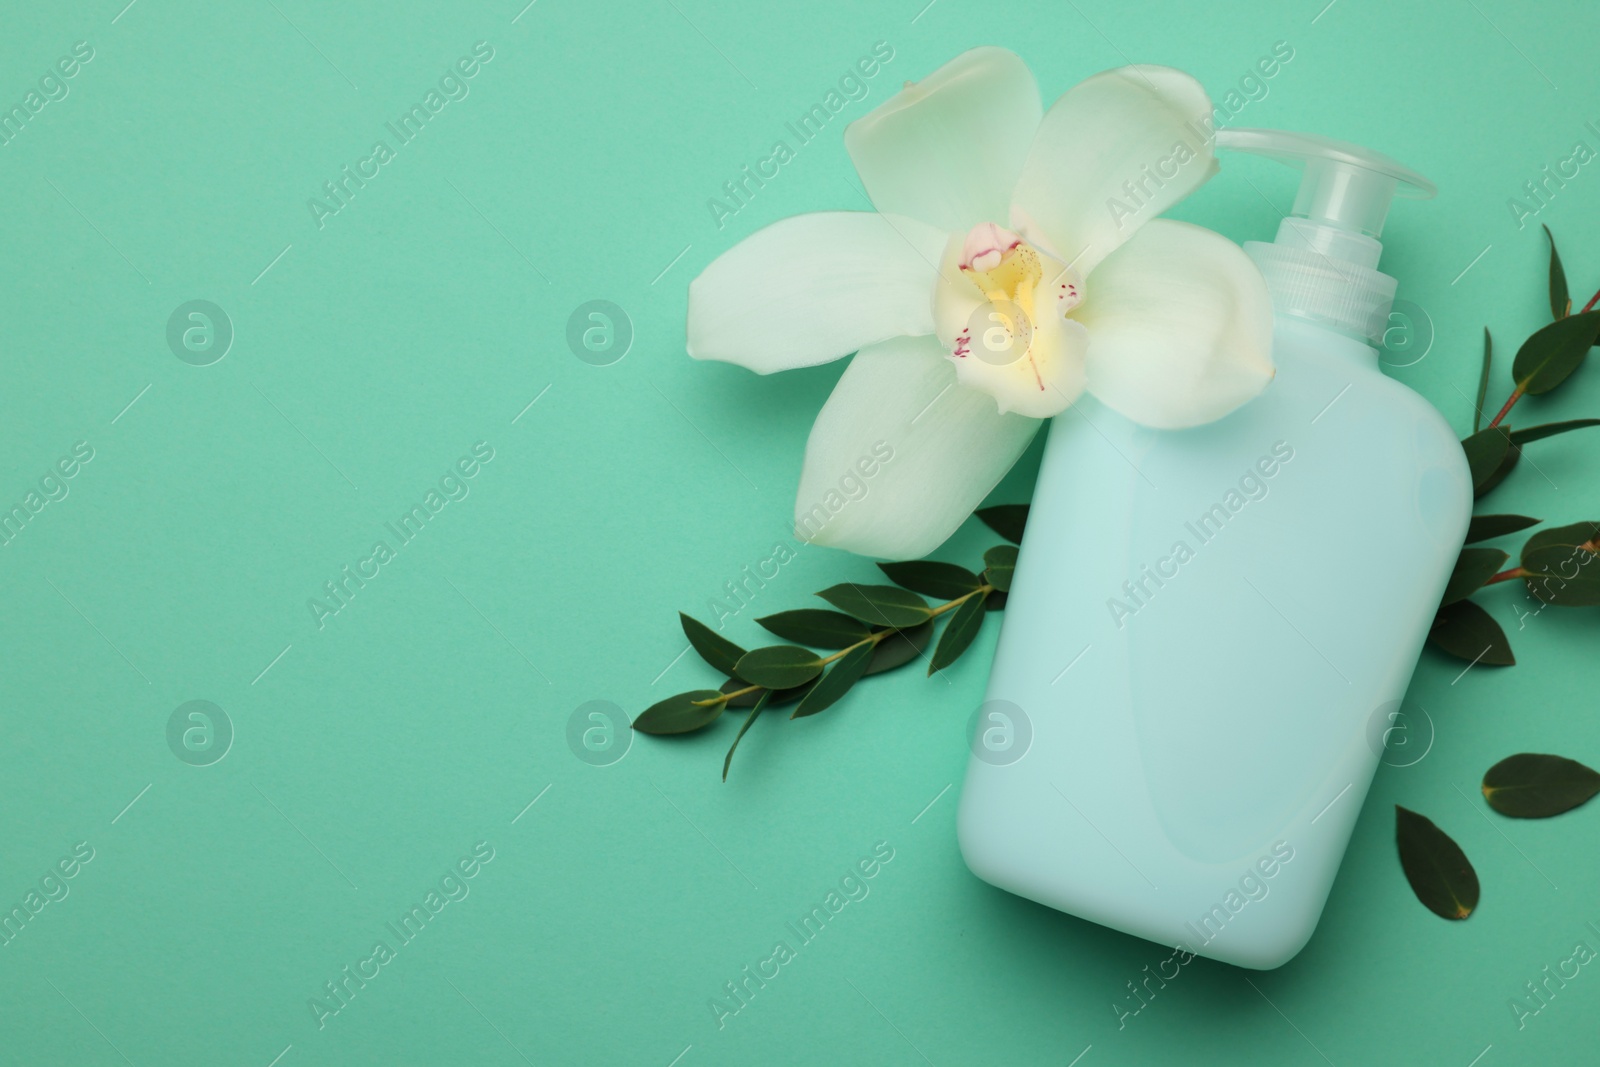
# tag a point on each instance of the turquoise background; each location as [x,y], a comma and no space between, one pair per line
[370,353]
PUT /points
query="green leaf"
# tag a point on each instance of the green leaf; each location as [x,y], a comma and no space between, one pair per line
[1464,630]
[846,672]
[1560,300]
[1546,359]
[1485,451]
[996,602]
[1439,872]
[779,696]
[817,626]
[1560,566]
[1550,429]
[1573,535]
[1007,520]
[999,562]
[932,578]
[1513,454]
[900,648]
[712,646]
[680,714]
[1483,380]
[964,624]
[1474,567]
[880,605]
[761,705]
[779,666]
[1488,527]
[1531,786]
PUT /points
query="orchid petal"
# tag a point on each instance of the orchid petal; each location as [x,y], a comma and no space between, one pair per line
[813,288]
[1180,327]
[1114,152]
[901,454]
[948,149]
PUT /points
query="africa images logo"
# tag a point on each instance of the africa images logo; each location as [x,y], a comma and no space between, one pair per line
[1205,528]
[852,85]
[454,485]
[454,85]
[451,887]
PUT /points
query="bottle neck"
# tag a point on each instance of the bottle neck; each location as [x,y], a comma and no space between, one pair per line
[1325,239]
[1326,275]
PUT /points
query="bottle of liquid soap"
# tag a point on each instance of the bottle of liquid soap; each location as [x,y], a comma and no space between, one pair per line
[1205,625]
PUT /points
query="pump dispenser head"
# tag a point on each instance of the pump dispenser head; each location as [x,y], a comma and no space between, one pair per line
[1323,265]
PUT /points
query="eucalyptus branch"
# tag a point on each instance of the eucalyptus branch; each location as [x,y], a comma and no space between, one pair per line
[872,628]
[1554,563]
[871,639]
[1550,356]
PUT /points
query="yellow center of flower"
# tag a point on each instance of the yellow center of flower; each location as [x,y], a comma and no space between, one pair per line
[1009,288]
[1012,279]
[1003,307]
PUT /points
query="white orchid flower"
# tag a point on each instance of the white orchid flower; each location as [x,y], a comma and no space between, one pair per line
[968,332]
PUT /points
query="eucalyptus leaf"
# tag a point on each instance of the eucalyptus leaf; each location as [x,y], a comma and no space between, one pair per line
[900,648]
[1488,527]
[1561,565]
[995,602]
[761,705]
[1507,463]
[1464,630]
[964,624]
[1439,872]
[1550,429]
[1573,535]
[1533,786]
[1483,380]
[817,626]
[880,605]
[932,578]
[1485,451]
[680,714]
[1474,567]
[845,672]
[779,666]
[1560,299]
[1546,359]
[999,562]
[1007,520]
[712,646]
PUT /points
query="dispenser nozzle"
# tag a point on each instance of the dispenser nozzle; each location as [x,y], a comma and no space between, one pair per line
[1345,185]
[1323,265]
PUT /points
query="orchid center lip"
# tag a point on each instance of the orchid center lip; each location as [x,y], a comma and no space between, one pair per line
[986,245]
[1004,267]
[1007,271]
[1010,308]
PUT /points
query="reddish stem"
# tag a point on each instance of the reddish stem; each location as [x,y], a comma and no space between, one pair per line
[1595,299]
[1516,394]
[1506,576]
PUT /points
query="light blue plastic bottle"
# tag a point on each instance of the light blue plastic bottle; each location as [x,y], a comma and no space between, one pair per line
[1209,628]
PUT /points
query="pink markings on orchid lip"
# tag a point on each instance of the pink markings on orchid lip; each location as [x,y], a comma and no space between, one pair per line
[1068,296]
[986,244]
[963,344]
